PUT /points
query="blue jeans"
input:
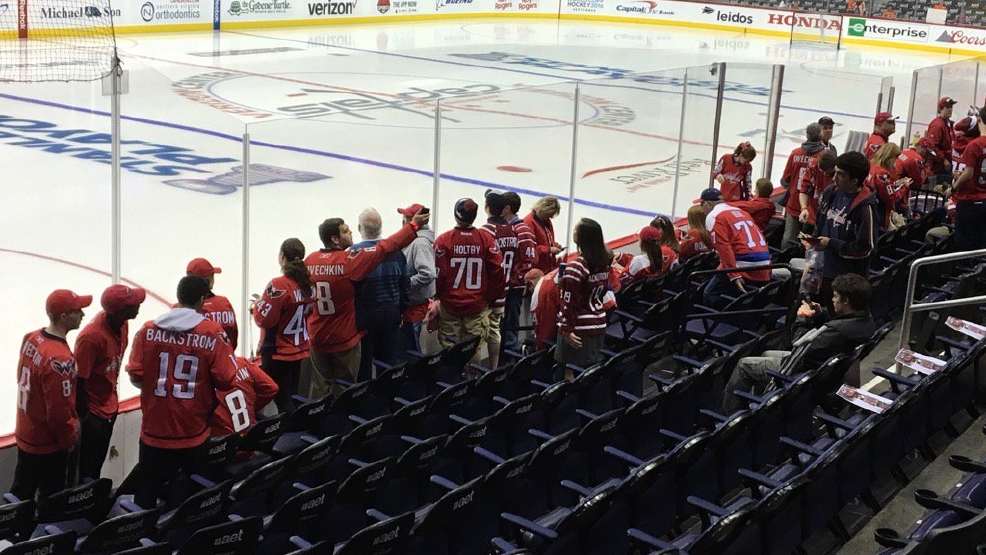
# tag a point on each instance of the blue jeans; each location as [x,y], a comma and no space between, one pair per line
[410,338]
[511,319]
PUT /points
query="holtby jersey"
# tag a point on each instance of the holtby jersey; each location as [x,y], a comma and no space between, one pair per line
[282,315]
[738,241]
[470,274]
[46,374]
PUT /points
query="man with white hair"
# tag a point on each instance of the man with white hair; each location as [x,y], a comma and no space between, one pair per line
[381,297]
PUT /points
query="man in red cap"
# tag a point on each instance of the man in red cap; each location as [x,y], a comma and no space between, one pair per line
[915,163]
[884,125]
[940,133]
[216,307]
[47,427]
[420,256]
[99,354]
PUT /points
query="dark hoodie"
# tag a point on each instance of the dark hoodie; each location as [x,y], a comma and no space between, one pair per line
[851,224]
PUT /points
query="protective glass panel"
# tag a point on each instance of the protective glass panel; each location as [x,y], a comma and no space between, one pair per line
[509,140]
[361,154]
[958,80]
[55,217]
[180,196]
[627,160]
[744,111]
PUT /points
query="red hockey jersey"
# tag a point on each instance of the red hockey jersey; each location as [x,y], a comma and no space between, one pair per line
[508,244]
[737,178]
[583,303]
[761,209]
[544,309]
[892,195]
[544,238]
[974,156]
[332,323]
[639,267]
[470,274]
[813,183]
[179,361]
[873,144]
[797,165]
[526,253]
[46,417]
[236,408]
[99,354]
[282,315]
[738,241]
[218,309]
[911,164]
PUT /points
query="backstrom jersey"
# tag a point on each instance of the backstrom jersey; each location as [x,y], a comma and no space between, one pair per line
[99,354]
[236,408]
[179,360]
[470,271]
[332,324]
[583,302]
[508,244]
[218,309]
[738,241]
[282,315]
[46,417]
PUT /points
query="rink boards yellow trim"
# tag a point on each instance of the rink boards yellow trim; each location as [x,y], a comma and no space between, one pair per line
[365,20]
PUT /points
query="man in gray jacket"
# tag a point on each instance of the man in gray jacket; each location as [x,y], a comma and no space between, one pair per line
[824,336]
[421,266]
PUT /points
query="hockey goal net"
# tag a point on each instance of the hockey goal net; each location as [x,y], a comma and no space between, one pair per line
[820,30]
[56,40]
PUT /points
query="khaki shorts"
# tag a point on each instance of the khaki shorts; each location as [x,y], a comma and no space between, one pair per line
[327,367]
[496,314]
[463,328]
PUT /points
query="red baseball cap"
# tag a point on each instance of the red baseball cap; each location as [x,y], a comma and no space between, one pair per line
[926,143]
[946,101]
[410,211]
[650,233]
[61,301]
[118,297]
[884,116]
[202,268]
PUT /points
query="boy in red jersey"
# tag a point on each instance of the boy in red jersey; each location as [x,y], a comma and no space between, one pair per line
[760,207]
[47,427]
[470,278]
[940,136]
[178,361]
[237,407]
[332,325]
[99,354]
[508,244]
[739,243]
[969,193]
[216,307]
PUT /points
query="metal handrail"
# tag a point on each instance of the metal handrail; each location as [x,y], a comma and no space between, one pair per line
[910,306]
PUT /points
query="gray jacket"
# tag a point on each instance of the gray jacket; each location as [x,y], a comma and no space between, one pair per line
[421,265]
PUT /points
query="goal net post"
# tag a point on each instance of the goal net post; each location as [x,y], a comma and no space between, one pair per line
[57,40]
[815,29]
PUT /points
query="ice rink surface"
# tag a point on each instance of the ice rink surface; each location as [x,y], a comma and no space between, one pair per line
[343,118]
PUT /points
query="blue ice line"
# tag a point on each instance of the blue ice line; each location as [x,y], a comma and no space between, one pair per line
[567,78]
[377,163]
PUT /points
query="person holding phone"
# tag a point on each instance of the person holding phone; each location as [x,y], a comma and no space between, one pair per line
[847,222]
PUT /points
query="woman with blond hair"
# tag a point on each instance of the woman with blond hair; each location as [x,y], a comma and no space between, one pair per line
[698,240]
[539,220]
[892,192]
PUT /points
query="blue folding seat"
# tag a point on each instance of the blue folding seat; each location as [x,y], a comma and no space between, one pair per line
[578,530]
[147,547]
[234,537]
[461,522]
[119,533]
[348,513]
[200,509]
[728,535]
[256,447]
[77,508]
[16,518]
[253,496]
[410,485]
[304,421]
[297,515]
[388,537]
[54,544]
